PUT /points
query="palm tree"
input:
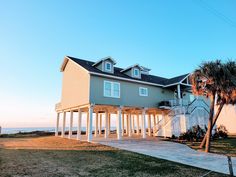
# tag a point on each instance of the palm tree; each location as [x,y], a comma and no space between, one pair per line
[217,81]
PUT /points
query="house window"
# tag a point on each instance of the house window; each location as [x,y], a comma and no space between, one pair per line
[143,91]
[111,89]
[107,66]
[136,72]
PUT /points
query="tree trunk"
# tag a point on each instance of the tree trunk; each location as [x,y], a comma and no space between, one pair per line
[213,124]
[208,138]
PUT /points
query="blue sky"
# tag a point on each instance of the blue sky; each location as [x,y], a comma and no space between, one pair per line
[170,37]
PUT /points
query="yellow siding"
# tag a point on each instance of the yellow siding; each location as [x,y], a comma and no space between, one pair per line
[75,86]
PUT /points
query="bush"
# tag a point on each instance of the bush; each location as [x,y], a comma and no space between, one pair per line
[220,132]
[196,133]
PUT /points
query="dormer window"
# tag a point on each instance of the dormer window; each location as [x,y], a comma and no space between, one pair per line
[108,66]
[105,64]
[133,71]
[136,72]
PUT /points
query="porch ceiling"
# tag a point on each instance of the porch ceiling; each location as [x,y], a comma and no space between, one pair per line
[113,109]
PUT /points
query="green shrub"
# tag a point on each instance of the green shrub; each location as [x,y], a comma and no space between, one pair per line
[196,133]
[220,132]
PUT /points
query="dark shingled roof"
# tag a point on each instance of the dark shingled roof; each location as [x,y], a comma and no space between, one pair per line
[146,78]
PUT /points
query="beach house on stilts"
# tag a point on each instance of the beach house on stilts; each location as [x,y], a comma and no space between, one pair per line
[142,104]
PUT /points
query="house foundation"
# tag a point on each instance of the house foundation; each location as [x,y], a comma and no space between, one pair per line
[96,115]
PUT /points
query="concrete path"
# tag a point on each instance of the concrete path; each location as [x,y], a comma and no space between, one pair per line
[171,151]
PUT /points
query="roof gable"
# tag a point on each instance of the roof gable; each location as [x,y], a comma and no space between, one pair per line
[132,66]
[175,80]
[105,59]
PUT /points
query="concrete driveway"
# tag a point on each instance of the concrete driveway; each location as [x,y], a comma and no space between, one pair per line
[171,151]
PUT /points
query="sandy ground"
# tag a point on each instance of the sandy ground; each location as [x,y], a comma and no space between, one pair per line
[50,143]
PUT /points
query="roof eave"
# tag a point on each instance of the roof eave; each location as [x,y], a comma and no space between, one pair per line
[63,65]
[126,79]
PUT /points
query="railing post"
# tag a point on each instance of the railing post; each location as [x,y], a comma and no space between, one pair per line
[230,166]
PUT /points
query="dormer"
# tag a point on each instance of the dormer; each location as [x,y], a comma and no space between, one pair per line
[105,64]
[145,70]
[133,71]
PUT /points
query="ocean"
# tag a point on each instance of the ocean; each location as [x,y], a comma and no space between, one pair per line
[30,129]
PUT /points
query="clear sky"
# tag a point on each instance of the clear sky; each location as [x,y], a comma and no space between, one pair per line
[170,37]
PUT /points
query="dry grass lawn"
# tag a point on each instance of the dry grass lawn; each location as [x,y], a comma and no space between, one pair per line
[221,146]
[51,156]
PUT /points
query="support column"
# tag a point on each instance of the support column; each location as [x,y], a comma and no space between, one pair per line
[157,118]
[90,123]
[178,91]
[137,116]
[149,125]
[154,123]
[71,125]
[57,124]
[109,124]
[106,125]
[96,125]
[127,124]
[132,119]
[118,130]
[143,123]
[63,125]
[87,123]
[179,94]
[129,121]
[79,124]
[123,125]
[100,122]
[164,128]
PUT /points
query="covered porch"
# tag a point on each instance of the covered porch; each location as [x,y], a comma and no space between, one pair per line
[128,122]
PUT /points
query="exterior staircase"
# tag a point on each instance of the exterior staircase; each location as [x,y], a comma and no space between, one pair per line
[183,113]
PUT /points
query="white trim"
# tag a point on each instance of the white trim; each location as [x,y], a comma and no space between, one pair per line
[103,59]
[186,84]
[140,93]
[112,89]
[133,71]
[177,84]
[185,77]
[180,82]
[130,67]
[171,84]
[107,70]
[125,79]
[145,68]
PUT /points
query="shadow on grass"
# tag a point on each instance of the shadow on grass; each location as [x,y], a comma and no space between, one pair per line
[89,163]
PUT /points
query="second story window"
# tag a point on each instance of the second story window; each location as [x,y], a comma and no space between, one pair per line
[111,89]
[143,91]
[136,72]
[108,66]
